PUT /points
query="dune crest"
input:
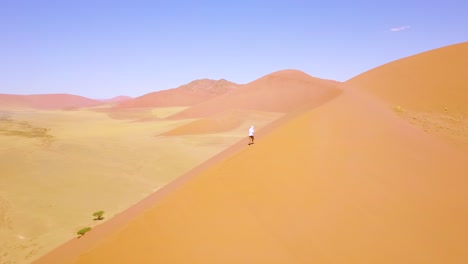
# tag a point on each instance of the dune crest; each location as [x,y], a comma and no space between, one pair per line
[44,101]
[280,92]
[117,99]
[186,95]
[339,178]
[339,183]
[224,122]
[429,81]
[283,92]
[428,89]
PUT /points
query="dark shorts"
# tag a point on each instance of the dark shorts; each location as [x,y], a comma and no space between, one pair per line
[252,137]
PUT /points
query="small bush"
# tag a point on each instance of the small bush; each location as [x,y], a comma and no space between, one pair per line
[83,231]
[98,215]
[398,109]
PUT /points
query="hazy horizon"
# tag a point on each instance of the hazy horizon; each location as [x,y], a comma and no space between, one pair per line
[103,49]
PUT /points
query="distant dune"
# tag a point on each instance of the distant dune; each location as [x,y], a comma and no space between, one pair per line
[44,101]
[185,95]
[345,179]
[428,81]
[277,93]
[223,122]
[281,91]
[348,177]
[117,99]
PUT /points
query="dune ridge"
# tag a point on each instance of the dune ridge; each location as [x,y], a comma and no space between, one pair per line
[428,89]
[276,94]
[266,122]
[60,166]
[340,178]
[186,95]
[117,99]
[428,81]
[224,122]
[44,101]
[248,209]
[281,91]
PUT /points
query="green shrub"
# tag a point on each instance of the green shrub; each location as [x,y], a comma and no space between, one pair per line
[83,231]
[98,215]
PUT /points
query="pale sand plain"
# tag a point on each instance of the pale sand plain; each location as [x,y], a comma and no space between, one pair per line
[346,181]
[58,167]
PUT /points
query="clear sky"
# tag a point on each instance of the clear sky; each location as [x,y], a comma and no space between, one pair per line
[100,49]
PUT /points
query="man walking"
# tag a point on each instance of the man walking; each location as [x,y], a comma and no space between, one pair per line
[251,135]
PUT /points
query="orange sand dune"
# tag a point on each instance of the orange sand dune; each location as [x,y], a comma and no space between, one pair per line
[117,99]
[347,182]
[428,89]
[222,122]
[185,95]
[44,101]
[428,81]
[226,121]
[281,91]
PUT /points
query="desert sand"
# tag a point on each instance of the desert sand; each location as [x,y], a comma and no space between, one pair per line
[339,172]
[61,162]
[44,101]
[429,90]
[186,95]
[283,91]
[60,167]
[117,99]
[341,200]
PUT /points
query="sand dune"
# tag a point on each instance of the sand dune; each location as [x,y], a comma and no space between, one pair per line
[327,187]
[233,120]
[341,177]
[185,95]
[207,126]
[281,91]
[347,181]
[117,99]
[428,81]
[44,101]
[428,89]
[58,167]
[288,91]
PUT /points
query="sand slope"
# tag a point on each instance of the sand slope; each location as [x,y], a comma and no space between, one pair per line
[44,101]
[428,89]
[185,95]
[58,167]
[281,91]
[117,99]
[341,189]
[284,92]
[427,81]
[346,180]
[227,121]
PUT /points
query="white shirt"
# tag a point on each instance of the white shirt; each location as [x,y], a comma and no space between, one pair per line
[251,131]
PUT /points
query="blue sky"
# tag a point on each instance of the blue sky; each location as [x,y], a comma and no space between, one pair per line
[101,49]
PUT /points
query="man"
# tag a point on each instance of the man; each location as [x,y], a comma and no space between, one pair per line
[251,135]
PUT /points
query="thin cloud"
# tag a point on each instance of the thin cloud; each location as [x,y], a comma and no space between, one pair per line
[399,28]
